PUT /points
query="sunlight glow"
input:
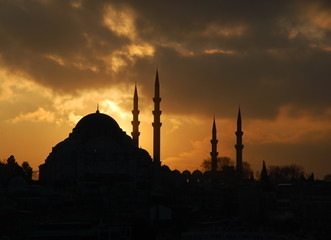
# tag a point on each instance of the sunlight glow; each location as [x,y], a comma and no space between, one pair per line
[120,21]
[73,118]
[109,107]
[117,62]
[119,59]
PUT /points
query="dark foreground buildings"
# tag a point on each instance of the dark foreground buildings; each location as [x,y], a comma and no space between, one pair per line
[98,184]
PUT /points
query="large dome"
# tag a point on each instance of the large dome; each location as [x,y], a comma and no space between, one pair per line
[96,147]
[96,123]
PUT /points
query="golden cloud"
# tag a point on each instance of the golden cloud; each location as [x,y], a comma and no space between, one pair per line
[312,22]
[120,21]
[40,115]
[219,51]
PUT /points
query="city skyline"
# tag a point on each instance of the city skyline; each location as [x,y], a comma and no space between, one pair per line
[59,60]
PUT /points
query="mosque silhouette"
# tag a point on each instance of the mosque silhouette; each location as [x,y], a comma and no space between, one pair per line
[105,175]
[98,184]
[98,148]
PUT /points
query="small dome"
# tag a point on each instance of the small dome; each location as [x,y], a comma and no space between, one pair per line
[186,173]
[97,123]
[197,173]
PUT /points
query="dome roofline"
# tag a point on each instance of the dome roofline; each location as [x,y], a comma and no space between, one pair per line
[97,124]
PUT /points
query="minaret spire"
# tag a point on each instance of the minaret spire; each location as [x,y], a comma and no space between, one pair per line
[135,122]
[214,152]
[239,147]
[157,123]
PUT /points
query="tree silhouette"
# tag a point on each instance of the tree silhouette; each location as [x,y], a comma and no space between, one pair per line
[327,178]
[11,161]
[27,170]
[312,177]
[11,168]
[226,161]
[221,162]
[285,173]
[247,171]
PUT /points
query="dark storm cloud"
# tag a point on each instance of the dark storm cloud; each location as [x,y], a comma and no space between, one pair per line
[261,83]
[182,20]
[252,59]
[33,30]
[267,69]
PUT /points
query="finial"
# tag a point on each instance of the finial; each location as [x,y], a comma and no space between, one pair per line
[98,108]
[239,119]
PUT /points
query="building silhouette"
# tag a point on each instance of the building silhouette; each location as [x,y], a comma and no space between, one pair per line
[96,148]
[98,184]
[99,148]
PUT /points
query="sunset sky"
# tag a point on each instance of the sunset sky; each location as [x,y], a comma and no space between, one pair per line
[59,59]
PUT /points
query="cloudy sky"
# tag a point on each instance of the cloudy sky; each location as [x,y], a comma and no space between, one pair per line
[59,59]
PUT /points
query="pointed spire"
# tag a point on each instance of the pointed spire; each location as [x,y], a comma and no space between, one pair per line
[239,120]
[214,125]
[214,131]
[157,84]
[135,91]
[135,97]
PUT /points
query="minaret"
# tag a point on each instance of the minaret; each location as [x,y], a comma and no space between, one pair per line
[157,124]
[135,122]
[239,147]
[214,152]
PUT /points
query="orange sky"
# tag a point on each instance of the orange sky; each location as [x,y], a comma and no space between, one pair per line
[59,59]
